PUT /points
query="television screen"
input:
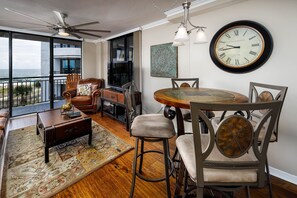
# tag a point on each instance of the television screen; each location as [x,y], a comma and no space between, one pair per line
[120,73]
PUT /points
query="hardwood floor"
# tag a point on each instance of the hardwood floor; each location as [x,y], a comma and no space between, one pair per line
[114,179]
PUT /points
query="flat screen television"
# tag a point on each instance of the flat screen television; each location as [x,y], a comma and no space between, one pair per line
[119,73]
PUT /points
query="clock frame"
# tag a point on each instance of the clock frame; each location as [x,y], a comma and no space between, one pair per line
[261,56]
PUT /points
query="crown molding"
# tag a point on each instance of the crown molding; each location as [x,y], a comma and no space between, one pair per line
[198,7]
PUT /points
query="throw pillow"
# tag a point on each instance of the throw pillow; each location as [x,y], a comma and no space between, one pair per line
[84,89]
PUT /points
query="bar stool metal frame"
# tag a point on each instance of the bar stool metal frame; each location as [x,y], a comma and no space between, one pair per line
[150,122]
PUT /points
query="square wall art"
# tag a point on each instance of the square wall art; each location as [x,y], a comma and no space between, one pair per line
[164,60]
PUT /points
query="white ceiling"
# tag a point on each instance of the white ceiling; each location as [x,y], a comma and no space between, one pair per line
[115,15]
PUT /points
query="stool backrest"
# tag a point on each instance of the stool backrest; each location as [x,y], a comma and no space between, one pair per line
[129,90]
[259,92]
[185,82]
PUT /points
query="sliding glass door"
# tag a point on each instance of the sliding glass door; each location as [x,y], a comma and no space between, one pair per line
[66,60]
[34,68]
[30,73]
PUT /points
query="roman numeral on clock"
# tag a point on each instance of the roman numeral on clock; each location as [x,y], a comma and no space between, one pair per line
[222,55]
[253,53]
[256,44]
[228,60]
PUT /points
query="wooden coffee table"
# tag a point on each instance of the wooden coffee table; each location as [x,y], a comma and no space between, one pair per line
[56,129]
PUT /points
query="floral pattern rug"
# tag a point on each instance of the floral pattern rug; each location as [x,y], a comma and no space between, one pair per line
[28,176]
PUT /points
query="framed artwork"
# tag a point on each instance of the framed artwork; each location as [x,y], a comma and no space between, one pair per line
[164,61]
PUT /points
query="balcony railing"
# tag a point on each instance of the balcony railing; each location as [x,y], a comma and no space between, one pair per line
[30,90]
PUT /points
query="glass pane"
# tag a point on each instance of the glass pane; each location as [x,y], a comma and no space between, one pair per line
[130,48]
[4,70]
[118,49]
[30,74]
[67,59]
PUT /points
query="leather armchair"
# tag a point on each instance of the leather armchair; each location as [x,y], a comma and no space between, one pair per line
[89,103]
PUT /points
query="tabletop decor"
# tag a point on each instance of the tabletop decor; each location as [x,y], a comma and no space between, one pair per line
[164,60]
[241,46]
[67,108]
[28,175]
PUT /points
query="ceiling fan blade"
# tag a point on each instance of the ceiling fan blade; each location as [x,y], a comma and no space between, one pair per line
[28,16]
[88,30]
[83,24]
[89,34]
[75,35]
[13,21]
[60,17]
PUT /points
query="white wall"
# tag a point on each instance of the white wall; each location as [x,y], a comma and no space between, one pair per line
[89,63]
[279,17]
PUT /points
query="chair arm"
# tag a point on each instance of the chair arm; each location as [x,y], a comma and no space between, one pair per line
[95,95]
[69,93]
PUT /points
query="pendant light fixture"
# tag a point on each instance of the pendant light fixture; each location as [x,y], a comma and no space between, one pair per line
[186,27]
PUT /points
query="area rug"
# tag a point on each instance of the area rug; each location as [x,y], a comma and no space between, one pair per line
[28,176]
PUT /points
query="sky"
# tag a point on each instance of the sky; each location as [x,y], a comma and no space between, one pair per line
[26,54]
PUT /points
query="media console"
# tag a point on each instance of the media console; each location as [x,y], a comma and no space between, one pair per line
[113,104]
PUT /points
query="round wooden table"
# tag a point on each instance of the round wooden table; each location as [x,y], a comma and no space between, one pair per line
[181,98]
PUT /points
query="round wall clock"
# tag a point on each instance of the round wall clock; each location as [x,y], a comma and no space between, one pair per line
[241,46]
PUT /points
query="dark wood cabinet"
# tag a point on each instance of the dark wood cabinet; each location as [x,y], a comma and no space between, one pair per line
[113,104]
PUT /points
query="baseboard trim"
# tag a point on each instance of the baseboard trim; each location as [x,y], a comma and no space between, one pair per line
[283,175]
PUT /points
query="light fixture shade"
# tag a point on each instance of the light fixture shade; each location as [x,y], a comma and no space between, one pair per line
[181,35]
[176,43]
[62,32]
[200,37]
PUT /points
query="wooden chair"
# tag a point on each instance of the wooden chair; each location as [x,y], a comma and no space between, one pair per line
[228,156]
[148,128]
[259,92]
[71,81]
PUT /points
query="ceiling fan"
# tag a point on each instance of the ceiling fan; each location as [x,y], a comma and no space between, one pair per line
[62,28]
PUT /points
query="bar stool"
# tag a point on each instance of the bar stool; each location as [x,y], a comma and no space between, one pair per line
[148,128]
[152,128]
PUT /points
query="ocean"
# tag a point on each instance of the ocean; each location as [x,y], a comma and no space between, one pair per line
[20,73]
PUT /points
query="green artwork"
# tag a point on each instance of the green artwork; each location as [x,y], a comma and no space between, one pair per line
[164,61]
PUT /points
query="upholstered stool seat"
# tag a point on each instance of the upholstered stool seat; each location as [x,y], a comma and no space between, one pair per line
[152,126]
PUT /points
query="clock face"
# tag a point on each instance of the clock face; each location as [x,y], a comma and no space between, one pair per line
[241,46]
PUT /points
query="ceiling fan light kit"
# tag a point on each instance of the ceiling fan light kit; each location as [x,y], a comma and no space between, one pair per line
[62,28]
[62,32]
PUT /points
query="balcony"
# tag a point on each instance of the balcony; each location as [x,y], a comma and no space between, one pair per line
[31,94]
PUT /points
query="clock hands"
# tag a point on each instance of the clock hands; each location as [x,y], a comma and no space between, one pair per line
[233,46]
[230,47]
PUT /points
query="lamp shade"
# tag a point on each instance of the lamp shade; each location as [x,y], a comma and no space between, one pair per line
[181,35]
[200,37]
